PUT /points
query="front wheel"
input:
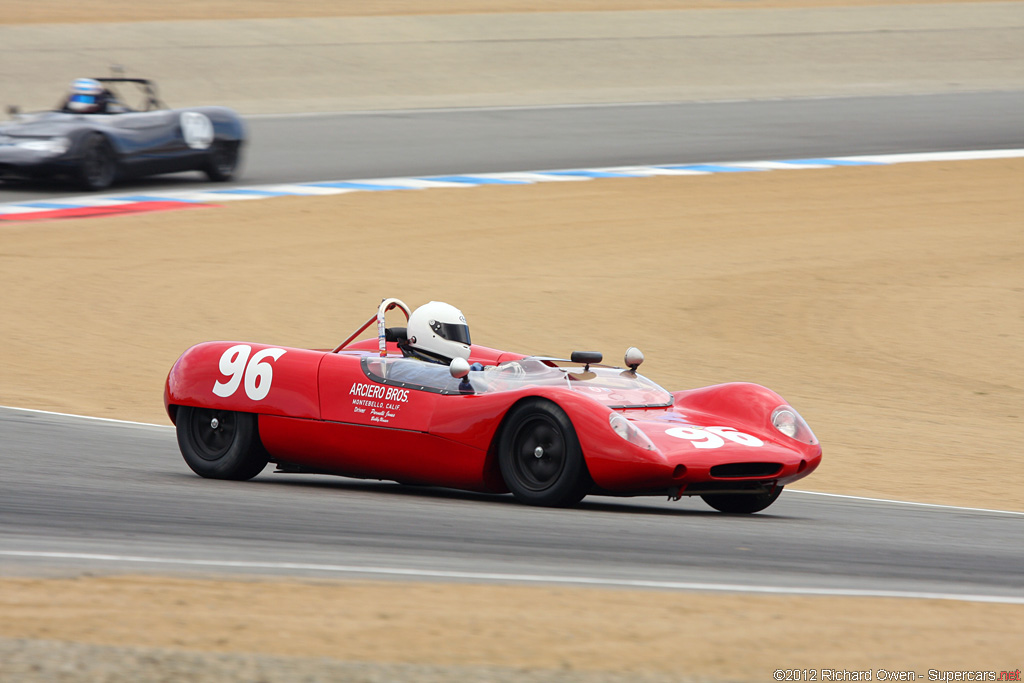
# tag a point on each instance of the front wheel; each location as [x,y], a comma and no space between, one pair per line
[98,167]
[742,503]
[222,162]
[220,444]
[540,456]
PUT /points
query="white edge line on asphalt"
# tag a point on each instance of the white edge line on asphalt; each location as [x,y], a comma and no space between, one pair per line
[907,502]
[87,417]
[917,157]
[810,493]
[527,578]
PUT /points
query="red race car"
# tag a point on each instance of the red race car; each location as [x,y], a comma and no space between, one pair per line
[423,405]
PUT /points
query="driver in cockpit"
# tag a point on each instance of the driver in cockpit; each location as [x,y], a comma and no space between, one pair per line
[437,333]
[88,96]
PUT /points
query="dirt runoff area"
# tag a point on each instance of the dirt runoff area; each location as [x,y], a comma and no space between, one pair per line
[72,11]
[884,303]
[331,631]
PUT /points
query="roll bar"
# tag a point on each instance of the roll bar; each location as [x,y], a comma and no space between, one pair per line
[385,306]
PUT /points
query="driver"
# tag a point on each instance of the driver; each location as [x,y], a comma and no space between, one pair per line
[88,96]
[437,333]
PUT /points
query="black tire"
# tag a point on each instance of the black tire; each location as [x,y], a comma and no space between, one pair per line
[555,475]
[97,169]
[222,162]
[220,444]
[741,503]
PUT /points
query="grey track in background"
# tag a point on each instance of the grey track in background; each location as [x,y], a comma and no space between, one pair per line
[426,143]
[287,149]
[73,485]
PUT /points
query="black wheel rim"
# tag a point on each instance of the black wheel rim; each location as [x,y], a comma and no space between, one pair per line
[538,452]
[98,166]
[213,432]
[224,159]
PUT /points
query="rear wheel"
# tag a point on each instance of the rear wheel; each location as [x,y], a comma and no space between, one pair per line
[220,444]
[222,162]
[742,503]
[540,456]
[98,166]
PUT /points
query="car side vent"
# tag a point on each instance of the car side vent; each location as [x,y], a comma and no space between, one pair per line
[746,469]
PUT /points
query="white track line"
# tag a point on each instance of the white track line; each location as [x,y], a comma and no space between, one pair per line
[809,493]
[527,578]
[907,502]
[973,155]
[87,417]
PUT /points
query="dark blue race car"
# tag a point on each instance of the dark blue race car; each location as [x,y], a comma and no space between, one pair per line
[97,138]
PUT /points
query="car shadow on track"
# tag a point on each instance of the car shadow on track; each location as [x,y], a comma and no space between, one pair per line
[653,505]
[21,190]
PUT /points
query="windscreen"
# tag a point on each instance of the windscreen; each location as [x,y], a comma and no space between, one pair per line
[614,387]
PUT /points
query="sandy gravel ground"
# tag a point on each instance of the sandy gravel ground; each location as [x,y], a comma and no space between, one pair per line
[72,11]
[882,302]
[344,63]
[437,632]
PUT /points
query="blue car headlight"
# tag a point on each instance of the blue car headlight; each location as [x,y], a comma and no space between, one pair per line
[788,421]
[52,146]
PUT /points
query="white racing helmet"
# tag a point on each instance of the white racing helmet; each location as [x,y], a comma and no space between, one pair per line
[438,331]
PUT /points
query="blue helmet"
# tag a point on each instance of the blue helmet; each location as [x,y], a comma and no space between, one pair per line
[85,95]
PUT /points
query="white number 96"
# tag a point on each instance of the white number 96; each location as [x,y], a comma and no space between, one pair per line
[258,375]
[713,437]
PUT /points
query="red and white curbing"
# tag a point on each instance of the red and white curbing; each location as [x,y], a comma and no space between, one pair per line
[115,204]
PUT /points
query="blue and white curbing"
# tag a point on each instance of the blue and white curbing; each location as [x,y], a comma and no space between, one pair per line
[334,187]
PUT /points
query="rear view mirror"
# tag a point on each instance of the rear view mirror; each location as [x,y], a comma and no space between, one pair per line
[459,368]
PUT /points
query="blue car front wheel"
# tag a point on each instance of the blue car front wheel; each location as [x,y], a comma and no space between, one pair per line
[98,165]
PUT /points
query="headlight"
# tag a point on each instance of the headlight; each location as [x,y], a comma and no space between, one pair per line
[789,422]
[628,431]
[53,146]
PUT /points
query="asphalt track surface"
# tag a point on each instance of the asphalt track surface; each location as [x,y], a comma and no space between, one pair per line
[304,148]
[88,488]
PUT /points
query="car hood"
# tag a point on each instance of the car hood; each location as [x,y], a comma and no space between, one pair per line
[730,418]
[49,124]
[672,431]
